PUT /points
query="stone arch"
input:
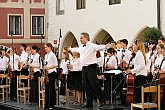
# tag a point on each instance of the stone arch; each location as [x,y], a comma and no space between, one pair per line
[102,37]
[139,34]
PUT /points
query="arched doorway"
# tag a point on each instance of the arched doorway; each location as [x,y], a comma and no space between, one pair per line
[70,40]
[102,37]
[140,35]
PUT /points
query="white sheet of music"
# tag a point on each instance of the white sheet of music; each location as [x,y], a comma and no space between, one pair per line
[113,71]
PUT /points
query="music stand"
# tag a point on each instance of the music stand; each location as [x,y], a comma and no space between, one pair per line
[112,73]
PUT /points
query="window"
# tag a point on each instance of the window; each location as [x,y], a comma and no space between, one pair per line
[37,25]
[111,2]
[59,7]
[81,4]
[15,25]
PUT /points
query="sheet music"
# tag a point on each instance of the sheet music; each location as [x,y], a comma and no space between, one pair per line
[116,72]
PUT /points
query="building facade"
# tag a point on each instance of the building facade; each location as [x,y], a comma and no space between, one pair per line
[104,20]
[23,21]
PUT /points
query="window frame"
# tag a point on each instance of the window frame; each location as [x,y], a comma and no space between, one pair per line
[115,2]
[21,23]
[82,4]
[32,24]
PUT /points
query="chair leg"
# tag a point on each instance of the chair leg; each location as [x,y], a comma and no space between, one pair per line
[3,94]
[39,101]
[24,96]
[131,106]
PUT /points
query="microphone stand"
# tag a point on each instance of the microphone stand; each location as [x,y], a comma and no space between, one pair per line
[58,60]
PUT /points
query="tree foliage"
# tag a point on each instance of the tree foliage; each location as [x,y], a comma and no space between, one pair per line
[152,33]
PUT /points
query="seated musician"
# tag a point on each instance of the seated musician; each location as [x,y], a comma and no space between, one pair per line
[139,69]
[110,64]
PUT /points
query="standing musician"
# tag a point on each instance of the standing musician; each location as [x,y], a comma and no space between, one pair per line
[13,63]
[75,70]
[23,66]
[111,64]
[50,72]
[4,61]
[89,71]
[34,74]
[123,56]
[64,65]
[161,72]
[139,69]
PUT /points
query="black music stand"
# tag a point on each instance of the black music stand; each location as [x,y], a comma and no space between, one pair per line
[112,73]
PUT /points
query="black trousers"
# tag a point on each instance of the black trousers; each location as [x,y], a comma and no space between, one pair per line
[91,83]
[50,93]
[34,88]
[2,80]
[139,81]
[13,85]
[26,73]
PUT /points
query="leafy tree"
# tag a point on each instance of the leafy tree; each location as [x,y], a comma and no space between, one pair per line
[152,33]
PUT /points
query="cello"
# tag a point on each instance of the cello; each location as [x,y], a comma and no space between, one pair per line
[130,84]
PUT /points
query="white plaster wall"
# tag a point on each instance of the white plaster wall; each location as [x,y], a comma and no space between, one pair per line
[163,16]
[124,20]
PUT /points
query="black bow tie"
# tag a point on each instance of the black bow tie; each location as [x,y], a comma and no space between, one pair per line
[2,57]
[84,45]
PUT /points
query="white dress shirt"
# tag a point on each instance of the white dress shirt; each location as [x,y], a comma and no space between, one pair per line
[158,60]
[4,63]
[76,65]
[64,66]
[36,62]
[126,53]
[163,66]
[23,57]
[16,62]
[150,60]
[88,53]
[112,61]
[139,64]
[51,60]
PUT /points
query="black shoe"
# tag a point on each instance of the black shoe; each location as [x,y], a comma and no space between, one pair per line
[102,104]
[87,106]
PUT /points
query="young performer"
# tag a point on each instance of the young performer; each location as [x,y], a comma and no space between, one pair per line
[89,71]
[34,74]
[139,69]
[50,70]
[13,63]
[64,65]
[110,65]
[4,62]
[75,69]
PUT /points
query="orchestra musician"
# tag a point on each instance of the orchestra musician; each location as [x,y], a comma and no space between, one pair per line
[13,63]
[50,68]
[161,72]
[76,69]
[34,74]
[89,71]
[4,62]
[111,64]
[23,66]
[64,65]
[139,69]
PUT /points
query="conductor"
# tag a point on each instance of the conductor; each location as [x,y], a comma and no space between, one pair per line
[88,61]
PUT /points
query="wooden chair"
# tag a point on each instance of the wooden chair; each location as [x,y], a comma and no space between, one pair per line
[22,91]
[150,89]
[41,91]
[4,88]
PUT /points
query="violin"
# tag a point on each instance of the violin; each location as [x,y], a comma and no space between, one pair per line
[31,71]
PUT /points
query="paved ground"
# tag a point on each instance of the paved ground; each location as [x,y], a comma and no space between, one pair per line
[13,105]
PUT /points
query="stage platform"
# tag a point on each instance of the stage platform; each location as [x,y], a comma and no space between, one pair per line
[13,105]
